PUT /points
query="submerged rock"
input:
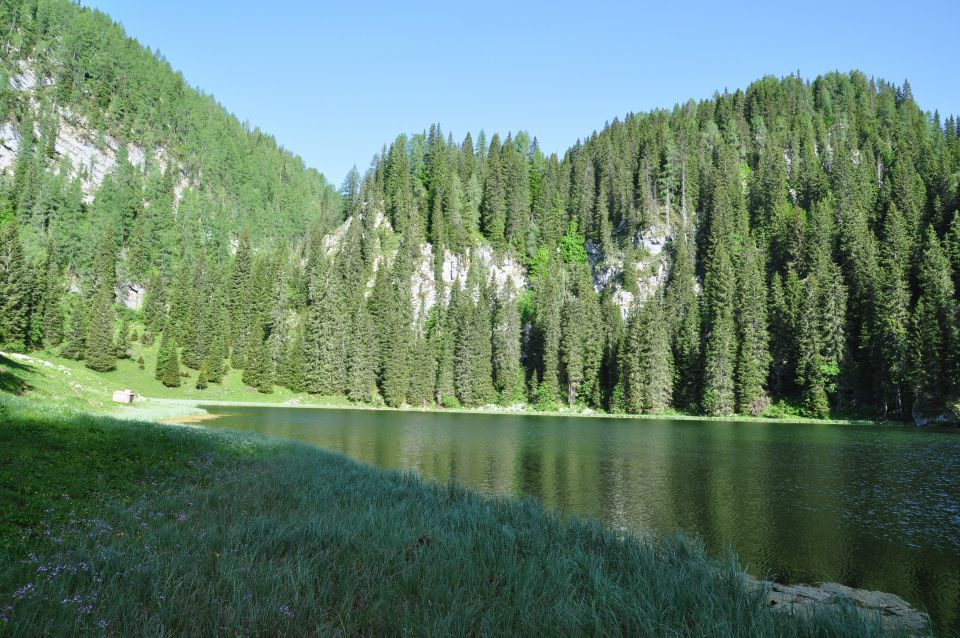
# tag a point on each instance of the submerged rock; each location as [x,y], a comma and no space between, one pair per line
[894,612]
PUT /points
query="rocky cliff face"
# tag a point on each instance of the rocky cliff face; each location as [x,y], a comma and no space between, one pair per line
[91,154]
[86,153]
[649,269]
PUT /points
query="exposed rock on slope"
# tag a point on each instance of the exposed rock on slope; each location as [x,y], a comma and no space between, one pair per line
[91,154]
[649,269]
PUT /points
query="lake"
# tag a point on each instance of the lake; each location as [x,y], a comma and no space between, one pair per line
[873,507]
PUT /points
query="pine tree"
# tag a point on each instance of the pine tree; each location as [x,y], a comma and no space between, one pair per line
[507,371]
[682,309]
[100,351]
[77,333]
[571,346]
[753,357]
[493,206]
[719,289]
[164,353]
[361,376]
[202,380]
[14,290]
[240,299]
[892,321]
[326,336]
[648,361]
[934,340]
[170,375]
[720,336]
[52,317]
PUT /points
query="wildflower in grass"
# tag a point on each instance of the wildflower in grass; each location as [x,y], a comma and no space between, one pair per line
[286,611]
[26,591]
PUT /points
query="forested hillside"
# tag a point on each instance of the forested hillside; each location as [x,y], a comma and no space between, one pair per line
[101,134]
[794,247]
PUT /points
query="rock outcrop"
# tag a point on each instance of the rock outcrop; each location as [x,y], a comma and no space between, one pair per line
[91,154]
[927,413]
[893,612]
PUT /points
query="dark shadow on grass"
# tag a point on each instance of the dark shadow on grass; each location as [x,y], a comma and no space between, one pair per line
[11,376]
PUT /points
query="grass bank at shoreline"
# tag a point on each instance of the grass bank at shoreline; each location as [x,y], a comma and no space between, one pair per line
[125,528]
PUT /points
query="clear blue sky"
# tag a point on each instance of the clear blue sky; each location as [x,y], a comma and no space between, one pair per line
[334,83]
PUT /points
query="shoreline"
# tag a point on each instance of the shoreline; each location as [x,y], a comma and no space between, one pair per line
[200,404]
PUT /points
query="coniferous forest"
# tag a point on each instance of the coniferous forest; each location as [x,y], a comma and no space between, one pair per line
[790,247]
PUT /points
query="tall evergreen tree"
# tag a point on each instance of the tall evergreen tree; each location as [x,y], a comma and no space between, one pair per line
[648,361]
[14,289]
[170,375]
[52,317]
[507,370]
[892,320]
[100,353]
[753,356]
[935,341]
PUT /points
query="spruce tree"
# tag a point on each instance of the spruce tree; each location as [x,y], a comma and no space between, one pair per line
[164,353]
[326,336]
[493,206]
[571,346]
[170,375]
[257,370]
[934,340]
[423,373]
[507,371]
[548,302]
[101,350]
[682,310]
[442,336]
[295,363]
[240,299]
[720,336]
[52,319]
[202,380]
[361,381]
[76,343]
[648,361]
[14,290]
[719,289]
[753,356]
[892,321]
[953,248]
[395,322]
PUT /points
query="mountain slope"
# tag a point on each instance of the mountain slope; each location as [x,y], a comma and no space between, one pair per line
[82,105]
[794,247]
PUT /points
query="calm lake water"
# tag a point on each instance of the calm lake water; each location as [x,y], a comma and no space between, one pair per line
[875,507]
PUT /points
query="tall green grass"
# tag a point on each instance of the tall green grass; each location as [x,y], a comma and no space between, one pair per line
[129,528]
